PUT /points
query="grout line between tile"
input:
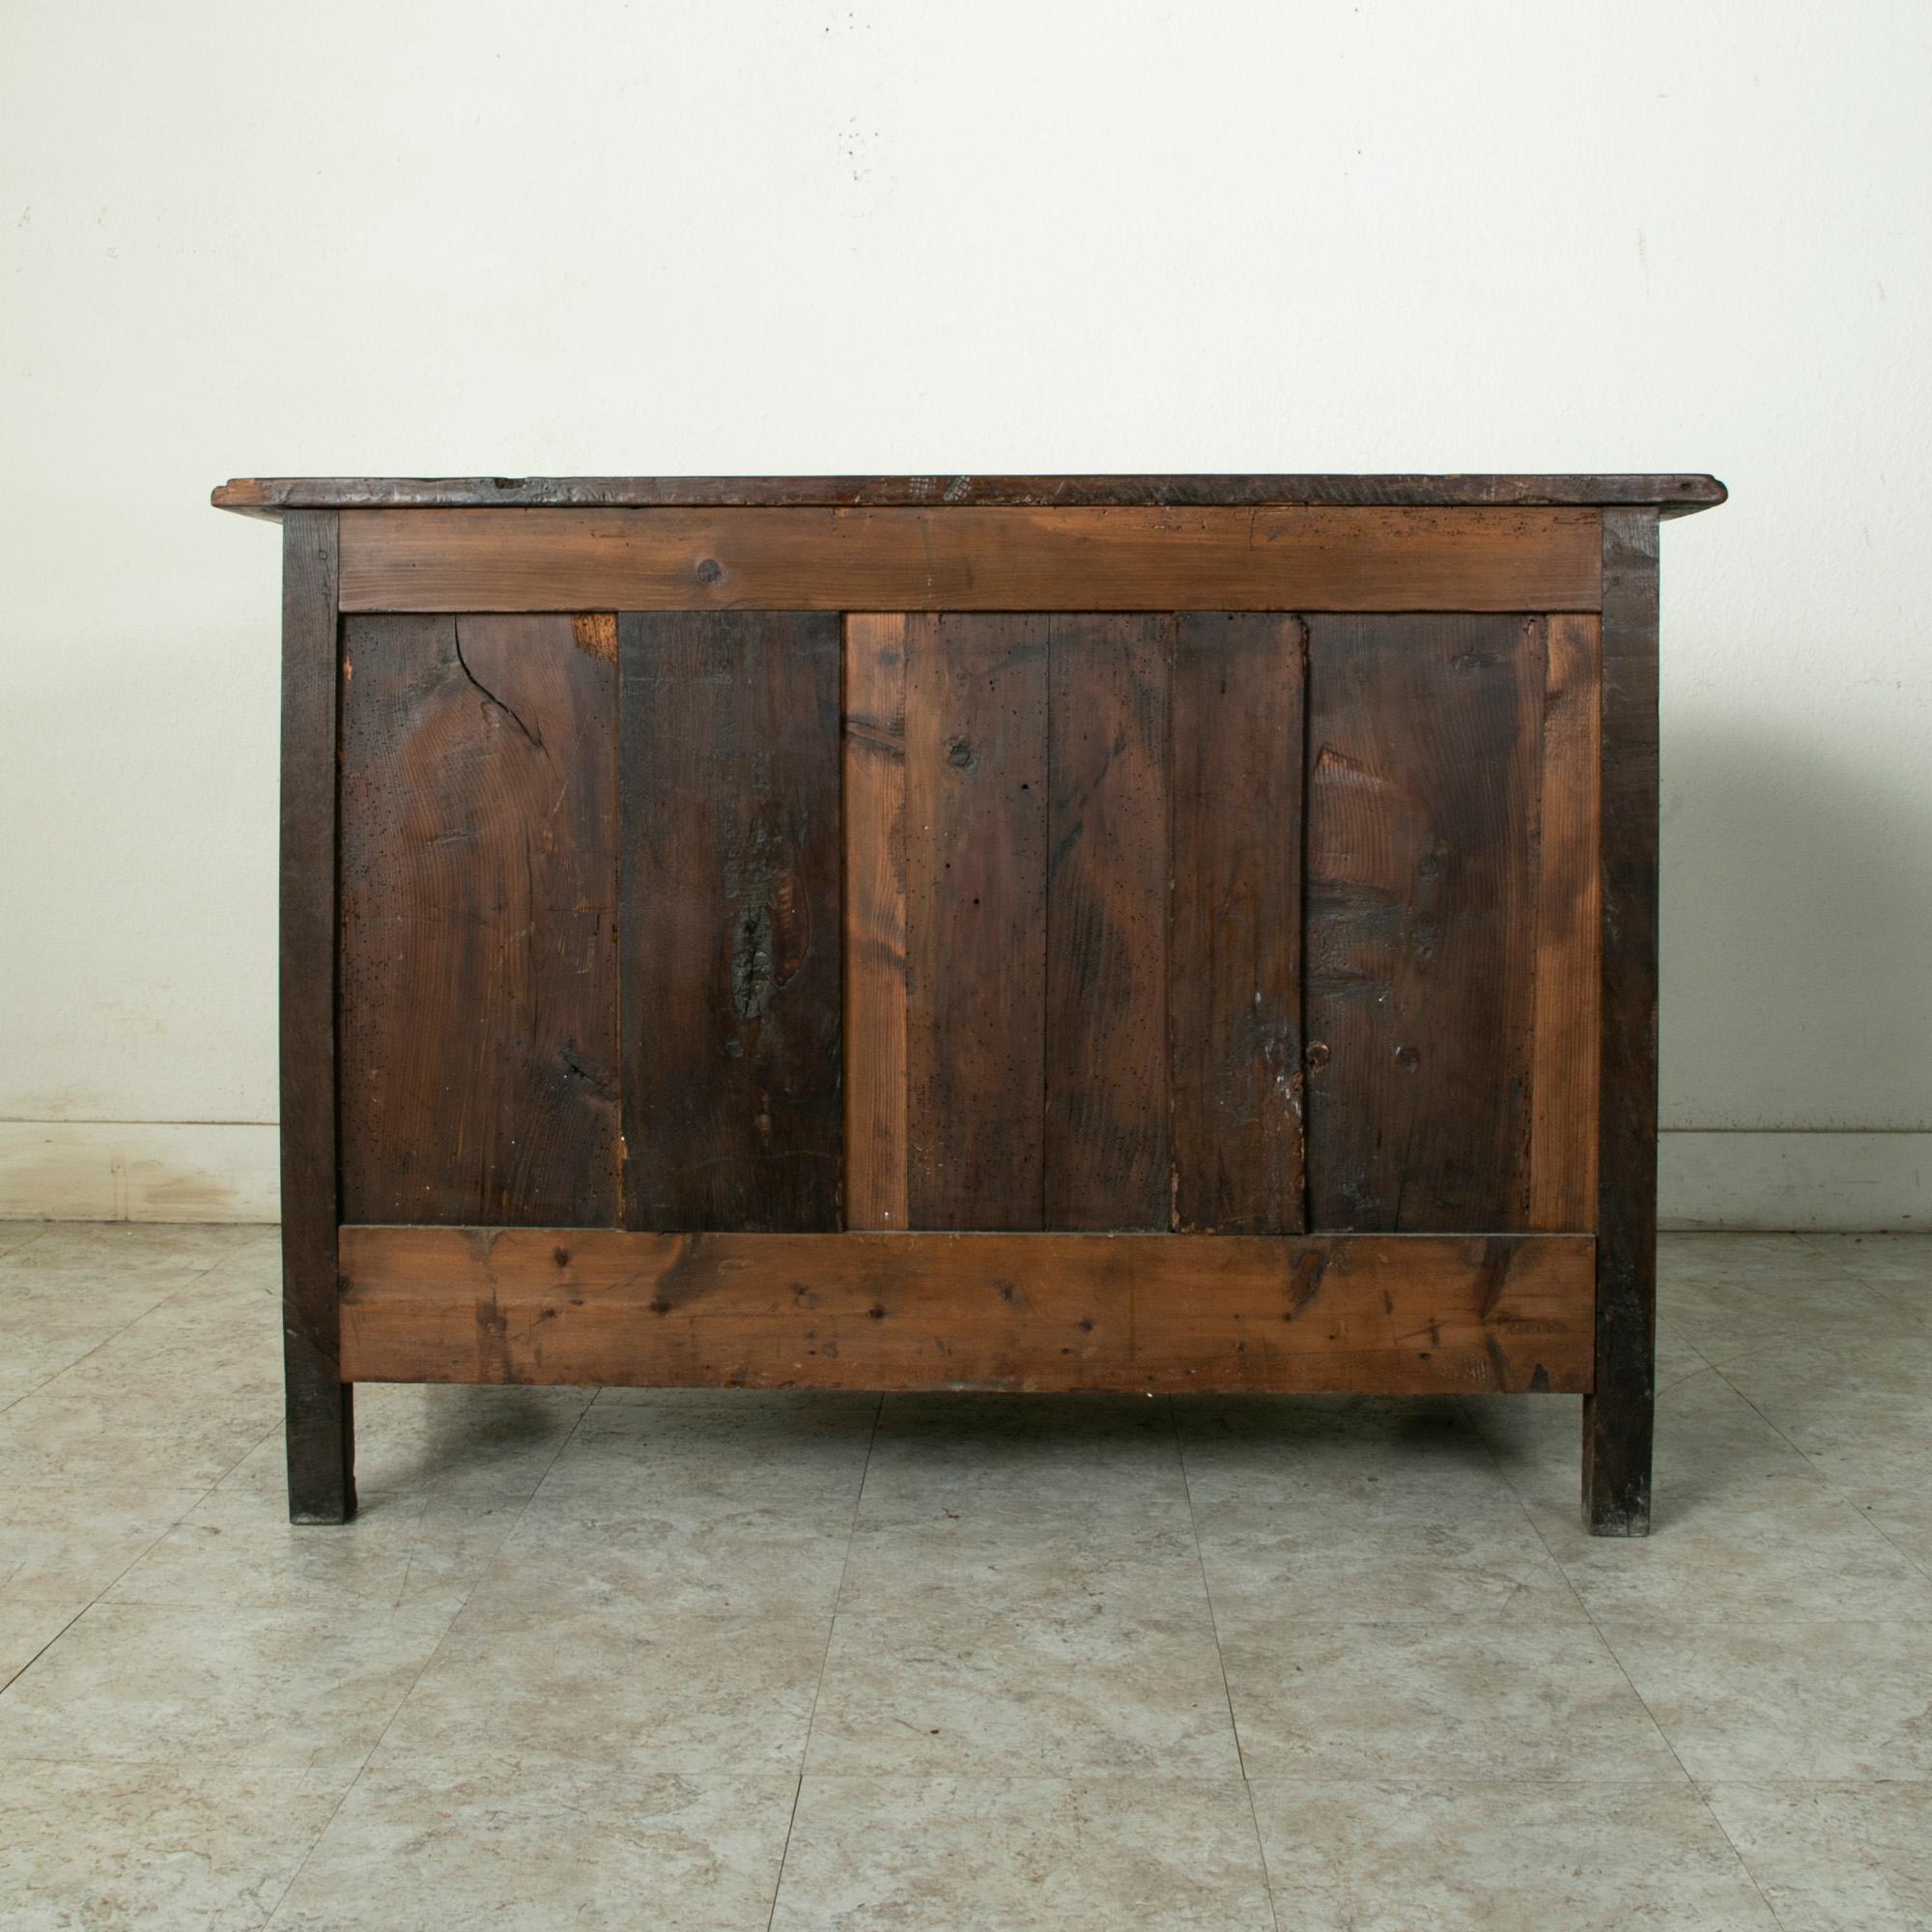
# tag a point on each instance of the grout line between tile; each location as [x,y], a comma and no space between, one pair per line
[1215,1625]
[824,1662]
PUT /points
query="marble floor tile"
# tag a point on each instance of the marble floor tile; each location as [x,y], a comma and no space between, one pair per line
[423,1844]
[1786,1701]
[1834,1858]
[237,1547]
[185,1847]
[17,1234]
[86,1428]
[666,1693]
[1381,1558]
[672,1549]
[64,1542]
[1510,1698]
[1346,1447]
[1770,1291]
[171,1252]
[1085,1691]
[1860,1412]
[138,1681]
[1016,1551]
[1501,1857]
[1892,1261]
[742,1442]
[940,1854]
[28,1625]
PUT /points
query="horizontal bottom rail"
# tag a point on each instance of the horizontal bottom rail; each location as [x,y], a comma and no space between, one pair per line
[1317,1314]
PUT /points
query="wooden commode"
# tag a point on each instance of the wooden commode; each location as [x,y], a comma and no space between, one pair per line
[1176,934]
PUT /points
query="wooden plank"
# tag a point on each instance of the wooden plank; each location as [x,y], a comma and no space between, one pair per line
[875,922]
[976,919]
[1618,1421]
[1159,1313]
[321,1423]
[479,897]
[1425,736]
[1105,1160]
[1234,949]
[731,922]
[1301,558]
[268,495]
[1563,1085]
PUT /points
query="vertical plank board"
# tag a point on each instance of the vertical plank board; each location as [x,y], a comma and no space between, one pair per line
[1563,1089]
[732,920]
[1107,1162]
[321,1428]
[1424,743]
[479,855]
[875,922]
[1618,1416]
[976,919]
[1235,952]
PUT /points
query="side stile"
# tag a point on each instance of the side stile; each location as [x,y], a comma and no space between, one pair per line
[320,1426]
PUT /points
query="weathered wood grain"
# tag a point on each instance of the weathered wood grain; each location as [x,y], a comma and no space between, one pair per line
[1105,1161]
[479,902]
[1619,1418]
[1563,1083]
[1424,747]
[1300,559]
[875,921]
[1235,947]
[731,930]
[976,829]
[268,495]
[321,1437]
[1160,1312]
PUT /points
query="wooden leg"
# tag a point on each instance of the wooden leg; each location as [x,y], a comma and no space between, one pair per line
[321,1436]
[1617,1417]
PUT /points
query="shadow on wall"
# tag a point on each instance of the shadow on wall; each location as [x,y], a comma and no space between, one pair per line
[1796,936]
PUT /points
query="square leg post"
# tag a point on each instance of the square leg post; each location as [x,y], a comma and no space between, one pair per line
[1620,1414]
[321,1430]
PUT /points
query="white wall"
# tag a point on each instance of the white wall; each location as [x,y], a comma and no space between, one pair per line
[502,237]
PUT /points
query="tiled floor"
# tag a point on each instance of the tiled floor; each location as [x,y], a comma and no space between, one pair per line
[736,1661]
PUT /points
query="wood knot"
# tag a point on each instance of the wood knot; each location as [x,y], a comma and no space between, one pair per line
[710,570]
[1407,1059]
[1317,1055]
[959,752]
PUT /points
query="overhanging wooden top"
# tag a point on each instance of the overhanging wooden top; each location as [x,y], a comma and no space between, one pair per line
[269,496]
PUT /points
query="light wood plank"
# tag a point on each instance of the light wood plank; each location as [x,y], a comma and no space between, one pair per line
[875,922]
[1563,1081]
[1300,559]
[1155,1313]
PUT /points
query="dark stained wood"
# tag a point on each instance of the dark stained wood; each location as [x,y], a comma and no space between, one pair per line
[1160,1312]
[1674,496]
[875,922]
[1424,743]
[321,1425]
[479,901]
[1105,1161]
[731,920]
[1563,1083]
[1296,557]
[1618,1419]
[1234,949]
[975,920]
